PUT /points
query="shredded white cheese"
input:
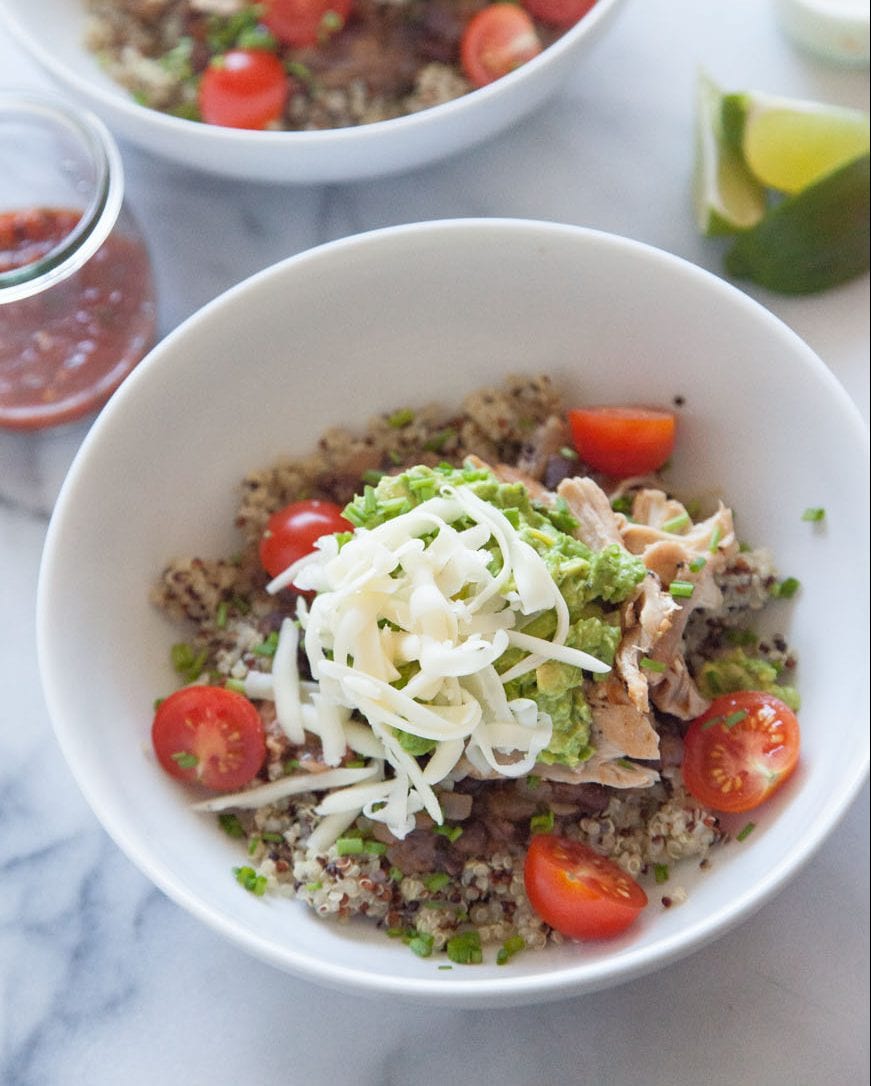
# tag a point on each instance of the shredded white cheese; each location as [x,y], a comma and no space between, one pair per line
[406,627]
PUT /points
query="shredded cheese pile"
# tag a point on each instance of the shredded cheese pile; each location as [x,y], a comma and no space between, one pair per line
[406,627]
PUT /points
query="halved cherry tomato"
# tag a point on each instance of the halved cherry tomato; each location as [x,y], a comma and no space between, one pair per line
[740,751]
[623,440]
[305,22]
[558,12]
[498,39]
[245,88]
[210,735]
[578,892]
[291,532]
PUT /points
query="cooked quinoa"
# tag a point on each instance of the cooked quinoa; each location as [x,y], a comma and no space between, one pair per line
[391,57]
[442,886]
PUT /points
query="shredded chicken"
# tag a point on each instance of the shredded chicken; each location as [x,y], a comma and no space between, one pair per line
[598,526]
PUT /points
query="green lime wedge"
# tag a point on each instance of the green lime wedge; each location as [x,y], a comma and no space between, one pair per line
[810,241]
[789,144]
[726,196]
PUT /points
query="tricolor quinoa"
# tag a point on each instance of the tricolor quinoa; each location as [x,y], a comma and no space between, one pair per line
[455,883]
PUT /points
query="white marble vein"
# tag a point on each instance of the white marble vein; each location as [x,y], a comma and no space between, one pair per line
[103,981]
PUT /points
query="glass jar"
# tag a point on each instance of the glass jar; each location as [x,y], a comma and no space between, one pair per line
[77,305]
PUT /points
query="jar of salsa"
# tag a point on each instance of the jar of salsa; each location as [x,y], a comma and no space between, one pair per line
[77,306]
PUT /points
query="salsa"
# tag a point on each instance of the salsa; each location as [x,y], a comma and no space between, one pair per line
[65,350]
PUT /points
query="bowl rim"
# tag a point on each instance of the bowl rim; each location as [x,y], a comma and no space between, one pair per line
[446,990]
[121,103]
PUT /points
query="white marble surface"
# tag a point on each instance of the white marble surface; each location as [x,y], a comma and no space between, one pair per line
[104,981]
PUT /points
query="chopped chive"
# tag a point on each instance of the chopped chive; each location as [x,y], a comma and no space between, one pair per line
[253,883]
[267,647]
[395,874]
[785,589]
[660,873]
[676,523]
[354,763]
[374,848]
[698,563]
[231,825]
[745,833]
[681,589]
[421,943]
[275,838]
[814,514]
[349,846]
[465,948]
[734,718]
[290,765]
[512,945]
[438,440]
[184,759]
[395,457]
[437,881]
[221,615]
[401,418]
[738,636]
[373,476]
[532,782]
[623,504]
[446,967]
[451,832]
[710,723]
[236,685]
[652,665]
[715,538]
[313,887]
[568,453]
[541,823]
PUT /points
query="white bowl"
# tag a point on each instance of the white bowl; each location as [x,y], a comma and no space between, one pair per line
[345,154]
[402,316]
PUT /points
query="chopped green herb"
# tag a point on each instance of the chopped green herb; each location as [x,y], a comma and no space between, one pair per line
[785,589]
[236,685]
[716,535]
[349,846]
[373,476]
[185,759]
[354,763]
[187,663]
[532,782]
[541,823]
[221,615]
[652,665]
[253,883]
[446,967]
[374,848]
[734,718]
[395,875]
[267,647]
[512,945]
[623,504]
[676,523]
[331,22]
[698,563]
[812,514]
[299,71]
[742,835]
[290,765]
[257,37]
[421,943]
[401,418]
[741,637]
[231,825]
[451,832]
[313,887]
[660,873]
[568,453]
[710,723]
[465,948]
[437,881]
[439,439]
[681,589]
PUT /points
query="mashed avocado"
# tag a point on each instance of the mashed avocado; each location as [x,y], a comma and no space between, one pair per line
[591,583]
[735,670]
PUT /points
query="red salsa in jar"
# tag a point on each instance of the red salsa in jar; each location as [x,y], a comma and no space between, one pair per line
[65,350]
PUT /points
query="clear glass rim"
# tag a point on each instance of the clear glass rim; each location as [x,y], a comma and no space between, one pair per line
[98,216]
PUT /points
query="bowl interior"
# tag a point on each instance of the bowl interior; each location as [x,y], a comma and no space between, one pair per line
[300,157]
[405,316]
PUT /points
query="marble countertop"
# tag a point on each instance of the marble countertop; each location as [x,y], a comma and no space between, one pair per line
[104,981]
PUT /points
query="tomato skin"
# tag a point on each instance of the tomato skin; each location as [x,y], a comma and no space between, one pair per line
[244,88]
[623,441]
[302,22]
[209,735]
[734,764]
[578,892]
[561,13]
[496,40]
[291,532]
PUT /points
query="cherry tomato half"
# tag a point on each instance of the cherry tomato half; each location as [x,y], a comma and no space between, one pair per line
[210,735]
[740,751]
[305,22]
[558,12]
[623,440]
[291,533]
[498,39]
[578,892]
[245,88]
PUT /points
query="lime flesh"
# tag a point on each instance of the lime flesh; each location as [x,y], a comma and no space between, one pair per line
[789,144]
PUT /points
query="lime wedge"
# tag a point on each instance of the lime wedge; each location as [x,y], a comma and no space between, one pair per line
[813,240]
[727,198]
[788,143]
